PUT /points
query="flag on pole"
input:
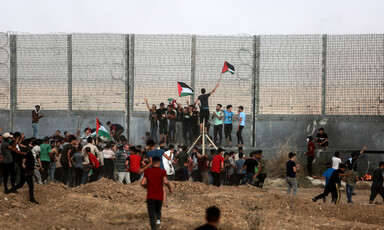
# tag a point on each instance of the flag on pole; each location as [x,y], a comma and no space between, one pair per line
[184,89]
[228,68]
[101,131]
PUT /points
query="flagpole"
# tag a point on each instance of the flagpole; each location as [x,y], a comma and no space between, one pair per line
[220,77]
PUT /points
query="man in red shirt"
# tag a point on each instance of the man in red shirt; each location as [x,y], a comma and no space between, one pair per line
[94,163]
[310,154]
[217,165]
[154,179]
[134,162]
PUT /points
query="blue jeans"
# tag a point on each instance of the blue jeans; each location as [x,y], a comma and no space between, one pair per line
[154,133]
[34,126]
[248,178]
[52,168]
[349,192]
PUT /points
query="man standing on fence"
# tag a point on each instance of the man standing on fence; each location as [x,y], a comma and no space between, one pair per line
[204,107]
[116,131]
[35,119]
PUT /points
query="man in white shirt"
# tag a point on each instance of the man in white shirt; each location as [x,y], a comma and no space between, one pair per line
[167,162]
[336,161]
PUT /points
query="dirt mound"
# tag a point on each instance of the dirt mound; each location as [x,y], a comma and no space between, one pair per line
[109,205]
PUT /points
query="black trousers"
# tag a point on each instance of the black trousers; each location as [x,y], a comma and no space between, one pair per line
[228,131]
[44,173]
[239,136]
[216,179]
[187,134]
[9,170]
[65,177]
[108,169]
[29,179]
[375,191]
[182,174]
[261,179]
[22,175]
[59,174]
[239,179]
[195,130]
[171,132]
[334,189]
[218,129]
[95,175]
[154,212]
[196,176]
[134,176]
[78,176]
[309,165]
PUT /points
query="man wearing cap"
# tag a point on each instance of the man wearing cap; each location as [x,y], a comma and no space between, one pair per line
[292,168]
[45,158]
[35,119]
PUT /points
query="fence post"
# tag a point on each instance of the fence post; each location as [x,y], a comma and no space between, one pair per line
[323,73]
[127,104]
[193,66]
[13,81]
[131,76]
[69,59]
[256,75]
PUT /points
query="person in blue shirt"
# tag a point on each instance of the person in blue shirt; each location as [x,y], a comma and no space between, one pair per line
[326,175]
[239,164]
[228,116]
[240,126]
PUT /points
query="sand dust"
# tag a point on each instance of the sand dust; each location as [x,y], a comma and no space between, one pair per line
[108,205]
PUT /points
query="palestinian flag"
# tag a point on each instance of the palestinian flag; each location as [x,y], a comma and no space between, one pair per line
[184,89]
[101,131]
[228,67]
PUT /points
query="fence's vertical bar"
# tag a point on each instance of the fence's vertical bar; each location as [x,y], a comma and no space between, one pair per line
[193,65]
[323,74]
[13,81]
[127,104]
[131,77]
[69,60]
[255,73]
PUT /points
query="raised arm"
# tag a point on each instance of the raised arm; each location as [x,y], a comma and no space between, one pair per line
[215,88]
[146,102]
[363,149]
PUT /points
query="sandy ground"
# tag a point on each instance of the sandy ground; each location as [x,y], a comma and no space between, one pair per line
[108,205]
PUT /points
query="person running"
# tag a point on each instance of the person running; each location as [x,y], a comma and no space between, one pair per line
[218,116]
[228,116]
[333,185]
[377,184]
[217,166]
[213,217]
[154,179]
[350,181]
[35,120]
[292,168]
[262,169]
[240,126]
[310,155]
[115,130]
[204,107]
[326,175]
[153,120]
[240,173]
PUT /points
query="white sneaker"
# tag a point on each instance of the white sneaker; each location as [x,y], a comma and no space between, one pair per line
[309,177]
[158,222]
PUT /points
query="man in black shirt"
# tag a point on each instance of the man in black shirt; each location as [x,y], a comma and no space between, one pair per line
[163,123]
[187,131]
[204,107]
[292,168]
[171,116]
[377,185]
[179,125]
[213,218]
[116,130]
[322,138]
[65,160]
[333,185]
[29,167]
[249,165]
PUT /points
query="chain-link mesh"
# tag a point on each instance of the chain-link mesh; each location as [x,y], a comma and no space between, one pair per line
[4,71]
[98,72]
[355,75]
[211,52]
[160,61]
[290,74]
[42,71]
